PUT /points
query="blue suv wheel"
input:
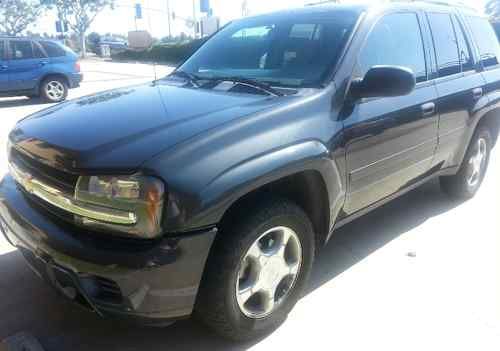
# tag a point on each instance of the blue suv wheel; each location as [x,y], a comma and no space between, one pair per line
[54,89]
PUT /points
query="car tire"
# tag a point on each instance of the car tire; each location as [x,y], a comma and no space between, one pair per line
[54,89]
[220,304]
[466,183]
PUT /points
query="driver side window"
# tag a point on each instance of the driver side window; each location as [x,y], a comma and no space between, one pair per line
[396,40]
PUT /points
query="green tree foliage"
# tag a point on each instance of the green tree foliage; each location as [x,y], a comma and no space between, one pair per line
[80,14]
[17,15]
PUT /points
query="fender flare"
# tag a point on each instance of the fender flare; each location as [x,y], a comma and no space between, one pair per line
[233,184]
[45,75]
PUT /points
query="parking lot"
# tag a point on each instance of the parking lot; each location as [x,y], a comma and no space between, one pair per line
[421,273]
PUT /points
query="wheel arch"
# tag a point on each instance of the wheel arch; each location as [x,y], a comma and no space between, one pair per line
[306,189]
[492,121]
[303,174]
[52,75]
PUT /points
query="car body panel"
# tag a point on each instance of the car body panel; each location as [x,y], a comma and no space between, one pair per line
[234,165]
[4,77]
[212,149]
[159,279]
[146,120]
[25,75]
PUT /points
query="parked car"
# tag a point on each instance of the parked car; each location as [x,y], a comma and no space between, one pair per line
[37,68]
[116,45]
[210,191]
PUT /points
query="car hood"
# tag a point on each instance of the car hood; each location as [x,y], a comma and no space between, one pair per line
[121,129]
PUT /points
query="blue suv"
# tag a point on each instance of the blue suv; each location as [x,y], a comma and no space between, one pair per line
[37,68]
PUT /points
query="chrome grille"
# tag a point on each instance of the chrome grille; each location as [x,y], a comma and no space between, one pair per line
[61,180]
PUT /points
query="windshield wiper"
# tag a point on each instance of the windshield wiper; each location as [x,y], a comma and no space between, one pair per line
[250,82]
[191,78]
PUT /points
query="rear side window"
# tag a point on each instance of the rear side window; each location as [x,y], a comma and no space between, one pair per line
[463,47]
[445,43]
[486,41]
[37,50]
[52,49]
[21,49]
[395,40]
[306,31]
[261,32]
[2,50]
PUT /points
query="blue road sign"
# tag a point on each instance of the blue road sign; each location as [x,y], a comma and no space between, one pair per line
[138,11]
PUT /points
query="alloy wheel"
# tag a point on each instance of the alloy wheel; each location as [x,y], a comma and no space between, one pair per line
[268,272]
[55,90]
[477,162]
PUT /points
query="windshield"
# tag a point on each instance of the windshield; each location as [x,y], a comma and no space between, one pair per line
[288,52]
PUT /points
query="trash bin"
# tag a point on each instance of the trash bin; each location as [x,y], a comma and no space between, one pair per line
[105,50]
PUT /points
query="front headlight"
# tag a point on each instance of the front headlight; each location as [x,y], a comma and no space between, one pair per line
[139,197]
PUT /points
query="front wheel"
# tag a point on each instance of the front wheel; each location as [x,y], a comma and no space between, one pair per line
[468,180]
[54,90]
[257,271]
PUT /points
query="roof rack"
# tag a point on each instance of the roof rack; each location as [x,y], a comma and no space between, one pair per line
[444,3]
[320,2]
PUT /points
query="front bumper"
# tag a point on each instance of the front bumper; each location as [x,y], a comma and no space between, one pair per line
[150,282]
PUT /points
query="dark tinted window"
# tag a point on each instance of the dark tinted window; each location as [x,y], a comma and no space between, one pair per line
[395,40]
[37,50]
[2,50]
[486,41]
[52,49]
[463,46]
[445,44]
[21,49]
[295,51]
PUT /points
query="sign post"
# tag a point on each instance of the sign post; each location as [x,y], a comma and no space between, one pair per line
[138,14]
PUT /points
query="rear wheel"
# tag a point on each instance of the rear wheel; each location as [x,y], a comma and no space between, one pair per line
[468,180]
[257,271]
[54,89]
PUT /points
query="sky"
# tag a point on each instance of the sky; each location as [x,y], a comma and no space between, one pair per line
[121,19]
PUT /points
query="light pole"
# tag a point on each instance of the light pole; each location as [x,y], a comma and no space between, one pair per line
[169,19]
[194,18]
[244,8]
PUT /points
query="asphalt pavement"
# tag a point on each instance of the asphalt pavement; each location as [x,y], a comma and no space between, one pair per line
[421,273]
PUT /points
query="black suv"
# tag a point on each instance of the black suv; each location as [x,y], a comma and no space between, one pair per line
[210,191]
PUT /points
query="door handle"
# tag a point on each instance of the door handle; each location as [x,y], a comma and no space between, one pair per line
[428,109]
[43,63]
[477,93]
[3,67]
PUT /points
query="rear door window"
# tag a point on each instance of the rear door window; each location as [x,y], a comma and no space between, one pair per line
[2,50]
[37,51]
[52,49]
[21,50]
[463,47]
[445,44]
[486,41]
[396,40]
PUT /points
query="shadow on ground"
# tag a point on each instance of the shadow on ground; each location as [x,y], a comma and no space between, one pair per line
[17,102]
[27,304]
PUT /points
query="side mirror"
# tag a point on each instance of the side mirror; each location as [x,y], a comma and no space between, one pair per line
[384,81]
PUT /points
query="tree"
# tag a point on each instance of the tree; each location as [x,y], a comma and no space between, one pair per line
[93,41]
[17,15]
[80,14]
[493,9]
